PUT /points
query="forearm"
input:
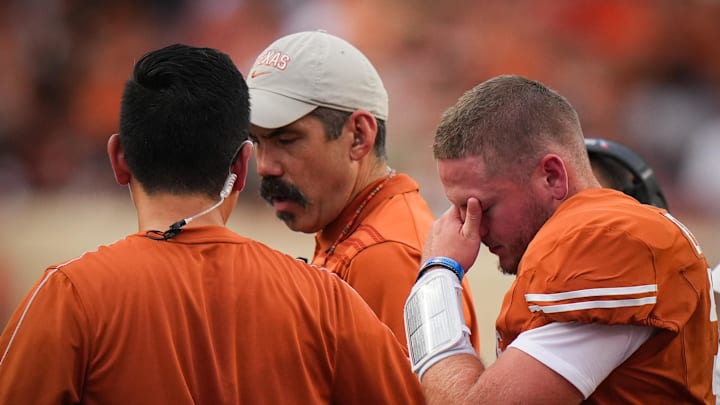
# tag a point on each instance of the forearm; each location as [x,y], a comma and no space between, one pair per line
[450,380]
[514,378]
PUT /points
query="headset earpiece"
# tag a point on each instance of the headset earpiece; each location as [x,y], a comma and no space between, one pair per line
[229,183]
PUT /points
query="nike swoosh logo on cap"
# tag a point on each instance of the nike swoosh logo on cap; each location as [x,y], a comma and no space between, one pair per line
[255,73]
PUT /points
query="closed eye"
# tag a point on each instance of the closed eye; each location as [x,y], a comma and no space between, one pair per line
[286,140]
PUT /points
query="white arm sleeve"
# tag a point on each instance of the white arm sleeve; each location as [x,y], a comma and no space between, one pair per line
[434,322]
[584,354]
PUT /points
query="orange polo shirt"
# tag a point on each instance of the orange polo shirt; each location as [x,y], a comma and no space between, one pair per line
[380,256]
[208,317]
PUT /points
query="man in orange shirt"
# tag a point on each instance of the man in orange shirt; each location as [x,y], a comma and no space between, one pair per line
[186,311]
[318,112]
[611,300]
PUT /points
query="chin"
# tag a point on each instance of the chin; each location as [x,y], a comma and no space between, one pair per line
[508,268]
[292,222]
[287,218]
[295,228]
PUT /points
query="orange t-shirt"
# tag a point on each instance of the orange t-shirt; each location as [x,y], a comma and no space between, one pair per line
[380,256]
[208,317]
[605,258]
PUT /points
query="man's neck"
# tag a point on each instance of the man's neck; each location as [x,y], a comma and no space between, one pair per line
[158,212]
[373,174]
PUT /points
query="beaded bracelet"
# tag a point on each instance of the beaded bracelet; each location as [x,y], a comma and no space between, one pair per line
[442,261]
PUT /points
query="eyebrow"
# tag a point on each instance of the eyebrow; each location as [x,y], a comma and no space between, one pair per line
[271,134]
[277,132]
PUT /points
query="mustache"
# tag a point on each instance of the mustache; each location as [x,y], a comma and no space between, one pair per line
[274,188]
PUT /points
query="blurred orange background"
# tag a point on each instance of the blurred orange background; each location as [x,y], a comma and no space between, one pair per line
[642,72]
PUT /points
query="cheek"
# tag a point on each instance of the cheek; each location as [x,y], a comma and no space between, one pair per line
[304,168]
[502,222]
[333,170]
[322,180]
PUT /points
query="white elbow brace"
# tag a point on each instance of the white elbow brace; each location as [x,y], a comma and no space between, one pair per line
[434,321]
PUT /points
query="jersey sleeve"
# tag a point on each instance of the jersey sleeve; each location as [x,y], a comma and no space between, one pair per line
[383,275]
[593,277]
[44,346]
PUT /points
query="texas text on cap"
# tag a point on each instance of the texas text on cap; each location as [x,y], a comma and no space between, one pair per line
[302,71]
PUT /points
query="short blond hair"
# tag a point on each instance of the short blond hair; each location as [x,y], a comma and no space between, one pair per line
[510,122]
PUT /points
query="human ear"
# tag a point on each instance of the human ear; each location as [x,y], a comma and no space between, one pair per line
[117,160]
[241,165]
[363,127]
[555,176]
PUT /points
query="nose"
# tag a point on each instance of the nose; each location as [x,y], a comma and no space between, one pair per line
[266,164]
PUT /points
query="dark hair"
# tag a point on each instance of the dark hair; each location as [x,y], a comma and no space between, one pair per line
[184,116]
[333,121]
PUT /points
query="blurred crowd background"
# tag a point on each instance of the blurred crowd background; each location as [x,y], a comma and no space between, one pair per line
[643,72]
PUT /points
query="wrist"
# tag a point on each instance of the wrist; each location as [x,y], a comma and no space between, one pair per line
[444,262]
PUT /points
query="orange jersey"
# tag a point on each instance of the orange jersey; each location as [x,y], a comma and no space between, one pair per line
[381,255]
[208,317]
[604,258]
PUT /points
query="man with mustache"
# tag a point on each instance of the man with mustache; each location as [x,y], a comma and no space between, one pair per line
[318,111]
[611,301]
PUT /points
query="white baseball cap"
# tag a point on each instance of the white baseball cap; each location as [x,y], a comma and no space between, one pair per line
[300,72]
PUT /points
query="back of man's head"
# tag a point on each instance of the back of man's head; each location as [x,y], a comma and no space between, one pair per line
[184,115]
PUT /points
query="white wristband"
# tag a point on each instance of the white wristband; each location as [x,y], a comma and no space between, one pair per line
[434,321]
